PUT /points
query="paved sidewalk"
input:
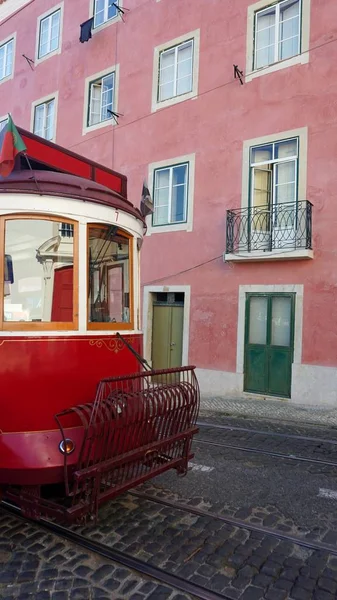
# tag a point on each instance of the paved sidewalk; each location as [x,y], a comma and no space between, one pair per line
[277,410]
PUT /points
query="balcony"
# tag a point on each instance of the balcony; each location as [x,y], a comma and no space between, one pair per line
[278,232]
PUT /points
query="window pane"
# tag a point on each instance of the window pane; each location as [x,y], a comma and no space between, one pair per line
[178,204]
[109,276]
[162,178]
[286,149]
[161,197]
[160,216]
[184,85]
[107,97]
[179,174]
[262,154]
[38,120]
[38,272]
[281,321]
[258,320]
[9,59]
[49,126]
[2,62]
[166,91]
[112,10]
[99,12]
[289,29]
[265,38]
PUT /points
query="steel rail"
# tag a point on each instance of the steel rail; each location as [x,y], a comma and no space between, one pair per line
[126,560]
[268,433]
[267,453]
[239,523]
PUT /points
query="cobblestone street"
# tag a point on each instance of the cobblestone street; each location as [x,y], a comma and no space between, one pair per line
[220,548]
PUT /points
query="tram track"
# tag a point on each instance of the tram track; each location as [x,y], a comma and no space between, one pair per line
[267,433]
[271,453]
[117,556]
[321,546]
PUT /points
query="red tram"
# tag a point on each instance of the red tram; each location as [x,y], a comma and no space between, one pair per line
[80,419]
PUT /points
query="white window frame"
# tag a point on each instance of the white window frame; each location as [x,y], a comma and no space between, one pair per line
[4,43]
[195,37]
[3,121]
[277,8]
[170,168]
[46,15]
[181,226]
[45,101]
[302,135]
[176,60]
[108,22]
[88,82]
[301,58]
[272,162]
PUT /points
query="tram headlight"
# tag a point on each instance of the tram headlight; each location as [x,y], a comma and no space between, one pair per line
[66,446]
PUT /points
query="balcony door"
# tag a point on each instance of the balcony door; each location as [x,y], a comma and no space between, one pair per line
[269,344]
[273,197]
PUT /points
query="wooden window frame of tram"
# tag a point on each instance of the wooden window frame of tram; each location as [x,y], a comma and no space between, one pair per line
[45,325]
[103,326]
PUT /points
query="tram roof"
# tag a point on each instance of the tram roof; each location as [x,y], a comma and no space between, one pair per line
[55,171]
[56,158]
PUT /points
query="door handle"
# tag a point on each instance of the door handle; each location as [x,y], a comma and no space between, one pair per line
[172,344]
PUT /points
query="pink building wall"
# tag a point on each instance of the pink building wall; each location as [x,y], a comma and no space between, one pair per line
[214,126]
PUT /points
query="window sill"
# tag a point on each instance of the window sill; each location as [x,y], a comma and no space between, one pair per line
[107,123]
[257,256]
[175,100]
[299,59]
[46,56]
[7,78]
[106,24]
[167,228]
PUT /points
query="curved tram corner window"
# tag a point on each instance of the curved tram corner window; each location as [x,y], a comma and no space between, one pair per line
[109,275]
[38,271]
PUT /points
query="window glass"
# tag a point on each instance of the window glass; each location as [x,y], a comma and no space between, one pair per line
[101,99]
[109,275]
[39,271]
[49,34]
[170,195]
[44,120]
[6,59]
[277,33]
[176,71]
[104,11]
[281,321]
[258,320]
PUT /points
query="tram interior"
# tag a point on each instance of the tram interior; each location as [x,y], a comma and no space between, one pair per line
[39,272]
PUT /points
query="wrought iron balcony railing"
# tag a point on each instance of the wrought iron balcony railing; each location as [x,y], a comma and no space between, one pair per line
[285,226]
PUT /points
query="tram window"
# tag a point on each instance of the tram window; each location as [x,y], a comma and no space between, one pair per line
[38,271]
[109,275]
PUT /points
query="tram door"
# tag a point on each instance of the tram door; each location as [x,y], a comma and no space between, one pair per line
[269,344]
[62,307]
[167,330]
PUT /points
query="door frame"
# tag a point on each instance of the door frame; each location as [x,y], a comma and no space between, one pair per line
[148,300]
[296,289]
[269,297]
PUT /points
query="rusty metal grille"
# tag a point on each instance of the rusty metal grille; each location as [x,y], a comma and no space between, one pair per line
[137,427]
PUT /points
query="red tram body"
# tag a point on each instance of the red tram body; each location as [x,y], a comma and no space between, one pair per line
[75,409]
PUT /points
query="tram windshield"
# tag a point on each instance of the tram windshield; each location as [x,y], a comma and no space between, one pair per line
[109,275]
[39,265]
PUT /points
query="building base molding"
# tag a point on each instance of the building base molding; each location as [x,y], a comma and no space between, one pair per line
[312,385]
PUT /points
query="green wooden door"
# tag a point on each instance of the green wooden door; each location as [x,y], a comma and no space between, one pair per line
[269,344]
[167,336]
